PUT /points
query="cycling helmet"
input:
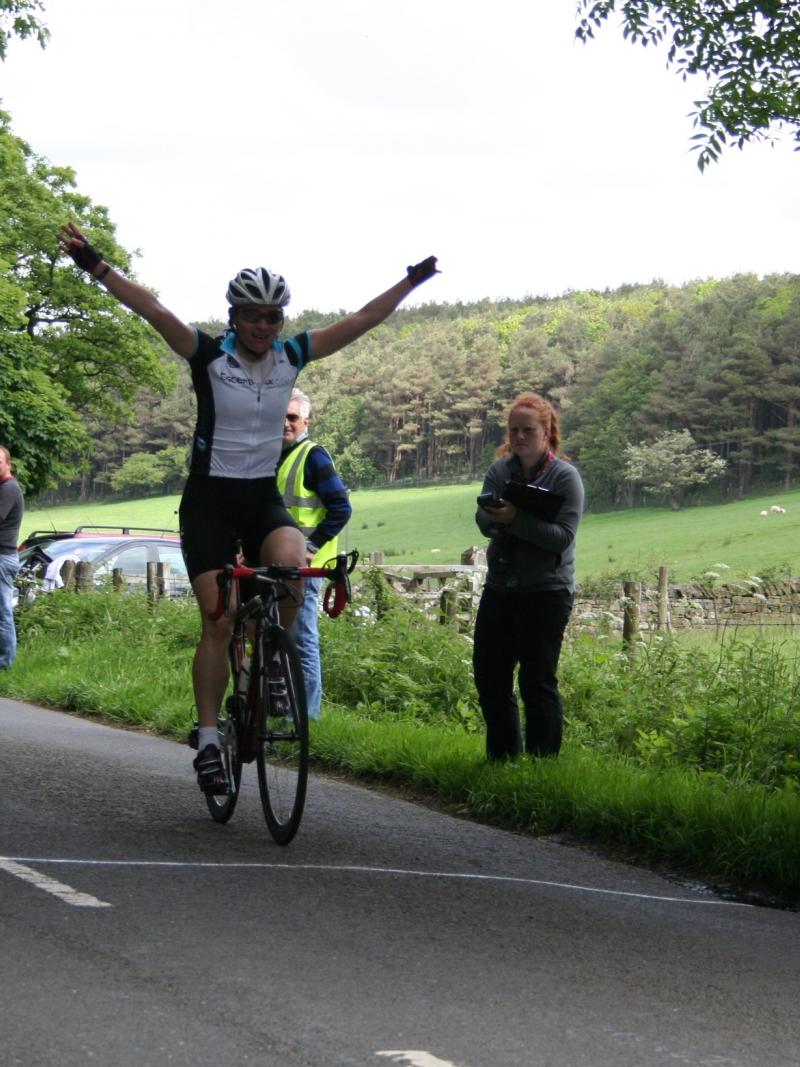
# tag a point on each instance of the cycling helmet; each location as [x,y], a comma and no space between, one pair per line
[258,286]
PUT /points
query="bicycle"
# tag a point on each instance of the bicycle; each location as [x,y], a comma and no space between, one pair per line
[265,718]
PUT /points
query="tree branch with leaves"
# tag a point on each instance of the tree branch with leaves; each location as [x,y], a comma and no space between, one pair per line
[749,50]
[19,18]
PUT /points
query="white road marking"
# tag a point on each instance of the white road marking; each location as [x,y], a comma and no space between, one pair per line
[50,885]
[399,871]
[416,1058]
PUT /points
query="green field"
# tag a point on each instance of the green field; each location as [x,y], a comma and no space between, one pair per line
[435,525]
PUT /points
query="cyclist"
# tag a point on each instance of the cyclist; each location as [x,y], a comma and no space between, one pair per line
[242,380]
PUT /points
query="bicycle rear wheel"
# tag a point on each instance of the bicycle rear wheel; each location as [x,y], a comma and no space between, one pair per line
[222,807]
[282,752]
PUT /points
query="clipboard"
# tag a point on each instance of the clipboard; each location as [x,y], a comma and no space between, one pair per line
[533,499]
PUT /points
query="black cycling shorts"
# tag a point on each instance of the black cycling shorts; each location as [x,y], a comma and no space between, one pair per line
[217,515]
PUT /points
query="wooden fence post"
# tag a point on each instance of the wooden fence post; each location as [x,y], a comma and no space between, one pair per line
[630,622]
[448,608]
[664,622]
[162,581]
[68,573]
[376,558]
[83,576]
[152,582]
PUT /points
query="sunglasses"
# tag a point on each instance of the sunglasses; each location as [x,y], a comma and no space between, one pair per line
[253,316]
[292,418]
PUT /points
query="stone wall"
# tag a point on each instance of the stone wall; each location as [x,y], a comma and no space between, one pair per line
[691,604]
[694,605]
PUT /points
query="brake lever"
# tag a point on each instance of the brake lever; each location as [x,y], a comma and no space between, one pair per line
[335,599]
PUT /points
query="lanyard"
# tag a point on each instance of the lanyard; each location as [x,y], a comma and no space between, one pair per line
[548,459]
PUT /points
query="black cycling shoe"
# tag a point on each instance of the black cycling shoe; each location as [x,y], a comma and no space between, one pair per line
[211,775]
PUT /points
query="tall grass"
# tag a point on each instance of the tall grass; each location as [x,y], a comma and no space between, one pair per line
[729,710]
[117,656]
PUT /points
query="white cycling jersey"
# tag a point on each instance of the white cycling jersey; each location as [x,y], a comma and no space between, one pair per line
[239,430]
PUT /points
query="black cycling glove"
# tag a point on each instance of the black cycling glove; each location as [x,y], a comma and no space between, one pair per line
[86,257]
[420,272]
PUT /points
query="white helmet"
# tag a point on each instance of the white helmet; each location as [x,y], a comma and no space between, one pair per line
[258,286]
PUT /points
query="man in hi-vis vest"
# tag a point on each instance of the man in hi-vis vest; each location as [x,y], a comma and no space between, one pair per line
[316,498]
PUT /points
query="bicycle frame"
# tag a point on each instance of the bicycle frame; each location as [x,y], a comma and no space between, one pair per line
[265,717]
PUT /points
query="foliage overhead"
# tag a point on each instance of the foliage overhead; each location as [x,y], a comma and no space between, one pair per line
[75,353]
[749,51]
[19,18]
[36,421]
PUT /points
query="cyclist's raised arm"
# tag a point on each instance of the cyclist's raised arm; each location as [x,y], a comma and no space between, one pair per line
[329,339]
[180,337]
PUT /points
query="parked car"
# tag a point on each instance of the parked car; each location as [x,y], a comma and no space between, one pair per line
[43,553]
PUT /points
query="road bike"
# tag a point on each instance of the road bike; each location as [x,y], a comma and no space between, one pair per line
[265,718]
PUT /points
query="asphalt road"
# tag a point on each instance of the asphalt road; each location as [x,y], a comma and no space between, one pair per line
[134,930]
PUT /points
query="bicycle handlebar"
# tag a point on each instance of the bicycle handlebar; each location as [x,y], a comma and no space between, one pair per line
[337,593]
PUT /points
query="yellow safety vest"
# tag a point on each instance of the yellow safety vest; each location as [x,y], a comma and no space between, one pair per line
[305,507]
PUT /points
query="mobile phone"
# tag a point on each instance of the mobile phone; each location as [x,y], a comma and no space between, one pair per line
[489,500]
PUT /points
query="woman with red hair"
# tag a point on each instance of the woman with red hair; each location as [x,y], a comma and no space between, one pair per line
[530,585]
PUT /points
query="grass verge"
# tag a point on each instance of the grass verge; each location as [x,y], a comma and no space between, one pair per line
[742,840]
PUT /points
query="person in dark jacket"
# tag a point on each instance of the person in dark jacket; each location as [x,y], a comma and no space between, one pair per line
[530,584]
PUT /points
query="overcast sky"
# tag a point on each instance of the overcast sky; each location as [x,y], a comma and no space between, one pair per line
[336,142]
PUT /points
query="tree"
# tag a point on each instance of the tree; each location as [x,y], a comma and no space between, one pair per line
[93,354]
[671,464]
[145,473]
[96,349]
[337,427]
[18,19]
[749,50]
[603,414]
[36,420]
[781,322]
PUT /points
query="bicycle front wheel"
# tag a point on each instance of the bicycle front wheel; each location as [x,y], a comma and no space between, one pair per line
[282,753]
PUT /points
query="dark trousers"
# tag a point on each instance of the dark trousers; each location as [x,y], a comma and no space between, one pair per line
[524,629]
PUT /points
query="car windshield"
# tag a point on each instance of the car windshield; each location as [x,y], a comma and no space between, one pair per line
[83,548]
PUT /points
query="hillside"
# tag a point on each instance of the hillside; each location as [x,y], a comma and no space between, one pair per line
[435,525]
[421,399]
